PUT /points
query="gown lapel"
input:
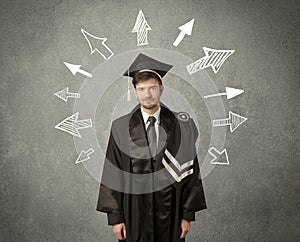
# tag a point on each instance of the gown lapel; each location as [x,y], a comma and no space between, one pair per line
[138,144]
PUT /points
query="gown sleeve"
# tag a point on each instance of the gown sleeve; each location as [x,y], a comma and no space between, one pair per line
[193,198]
[110,201]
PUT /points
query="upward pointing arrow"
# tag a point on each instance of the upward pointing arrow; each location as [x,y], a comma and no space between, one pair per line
[185,29]
[76,68]
[141,27]
[230,93]
[105,52]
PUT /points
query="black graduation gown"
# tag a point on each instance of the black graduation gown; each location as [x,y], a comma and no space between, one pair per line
[154,216]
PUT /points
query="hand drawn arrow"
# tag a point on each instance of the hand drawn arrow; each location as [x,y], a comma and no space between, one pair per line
[64,94]
[230,93]
[76,68]
[185,29]
[72,126]
[105,52]
[215,154]
[84,155]
[213,58]
[233,121]
[141,27]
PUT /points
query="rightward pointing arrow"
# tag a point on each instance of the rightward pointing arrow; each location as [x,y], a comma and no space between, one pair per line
[185,29]
[141,27]
[64,94]
[84,155]
[72,126]
[213,58]
[76,68]
[103,49]
[217,154]
[230,93]
[233,121]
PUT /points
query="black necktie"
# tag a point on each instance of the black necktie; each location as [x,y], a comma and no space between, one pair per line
[152,135]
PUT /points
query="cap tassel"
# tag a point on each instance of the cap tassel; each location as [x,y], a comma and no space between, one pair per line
[128,88]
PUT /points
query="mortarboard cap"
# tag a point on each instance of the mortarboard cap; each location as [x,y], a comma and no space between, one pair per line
[146,63]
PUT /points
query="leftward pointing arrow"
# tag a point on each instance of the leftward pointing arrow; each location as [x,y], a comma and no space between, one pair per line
[64,94]
[103,49]
[76,68]
[71,125]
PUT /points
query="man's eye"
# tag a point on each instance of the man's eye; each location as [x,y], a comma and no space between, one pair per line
[140,89]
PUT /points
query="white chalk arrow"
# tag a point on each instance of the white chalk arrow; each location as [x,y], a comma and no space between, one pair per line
[84,155]
[233,121]
[141,27]
[64,94]
[217,154]
[230,93]
[72,126]
[76,68]
[102,49]
[213,58]
[185,29]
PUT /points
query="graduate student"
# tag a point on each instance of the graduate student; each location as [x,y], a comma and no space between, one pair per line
[151,186]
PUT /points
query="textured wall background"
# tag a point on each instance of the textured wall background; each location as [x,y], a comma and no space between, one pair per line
[45,197]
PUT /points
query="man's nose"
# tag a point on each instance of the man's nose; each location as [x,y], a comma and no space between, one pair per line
[148,93]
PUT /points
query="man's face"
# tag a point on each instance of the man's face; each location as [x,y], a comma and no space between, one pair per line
[148,93]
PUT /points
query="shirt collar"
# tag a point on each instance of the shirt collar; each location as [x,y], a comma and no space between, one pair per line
[146,115]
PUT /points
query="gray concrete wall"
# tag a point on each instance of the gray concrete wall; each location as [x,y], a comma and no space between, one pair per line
[46,197]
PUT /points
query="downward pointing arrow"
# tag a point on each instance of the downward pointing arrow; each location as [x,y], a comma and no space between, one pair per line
[84,155]
[105,52]
[217,154]
[185,29]
[230,93]
[76,68]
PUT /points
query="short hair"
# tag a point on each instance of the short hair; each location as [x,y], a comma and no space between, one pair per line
[143,76]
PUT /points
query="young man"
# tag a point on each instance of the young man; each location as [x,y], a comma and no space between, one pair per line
[155,146]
